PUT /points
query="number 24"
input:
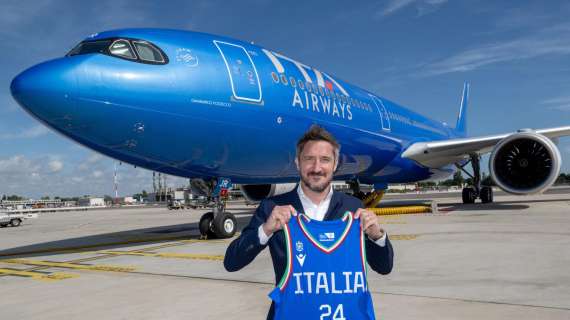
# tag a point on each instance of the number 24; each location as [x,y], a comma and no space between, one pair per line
[338,313]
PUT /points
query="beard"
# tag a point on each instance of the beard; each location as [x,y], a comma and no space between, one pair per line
[316,186]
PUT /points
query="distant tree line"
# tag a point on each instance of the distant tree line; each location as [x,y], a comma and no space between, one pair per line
[563,178]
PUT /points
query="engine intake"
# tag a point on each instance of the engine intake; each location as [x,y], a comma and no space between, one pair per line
[258,192]
[525,163]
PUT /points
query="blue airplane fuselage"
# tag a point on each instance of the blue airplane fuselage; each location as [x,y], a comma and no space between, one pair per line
[220,107]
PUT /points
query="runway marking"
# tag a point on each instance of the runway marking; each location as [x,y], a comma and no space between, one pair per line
[77,249]
[37,275]
[403,236]
[170,255]
[393,222]
[42,265]
[70,265]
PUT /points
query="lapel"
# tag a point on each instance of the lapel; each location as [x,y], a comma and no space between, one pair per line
[292,198]
[333,212]
[297,201]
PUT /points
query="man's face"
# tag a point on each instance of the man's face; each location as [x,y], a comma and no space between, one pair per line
[316,165]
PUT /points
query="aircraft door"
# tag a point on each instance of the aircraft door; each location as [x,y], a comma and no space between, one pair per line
[243,75]
[384,118]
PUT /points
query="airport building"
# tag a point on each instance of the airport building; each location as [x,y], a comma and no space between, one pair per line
[91,202]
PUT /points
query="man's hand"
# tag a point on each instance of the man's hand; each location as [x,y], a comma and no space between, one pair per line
[280,215]
[370,224]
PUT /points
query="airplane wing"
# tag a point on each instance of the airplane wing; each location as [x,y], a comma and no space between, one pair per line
[436,154]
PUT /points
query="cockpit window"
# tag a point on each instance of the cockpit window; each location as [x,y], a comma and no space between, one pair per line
[148,52]
[125,48]
[99,46]
[122,48]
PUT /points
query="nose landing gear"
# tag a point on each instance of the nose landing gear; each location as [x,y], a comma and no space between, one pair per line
[218,223]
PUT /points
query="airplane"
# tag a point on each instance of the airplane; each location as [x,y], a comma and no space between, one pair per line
[221,111]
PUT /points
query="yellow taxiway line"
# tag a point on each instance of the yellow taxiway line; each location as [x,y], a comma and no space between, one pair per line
[67,265]
[167,255]
[403,236]
[37,275]
[76,249]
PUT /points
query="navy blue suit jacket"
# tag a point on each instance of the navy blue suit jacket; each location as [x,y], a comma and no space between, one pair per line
[247,246]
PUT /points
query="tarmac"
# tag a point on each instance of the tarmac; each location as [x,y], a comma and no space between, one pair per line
[506,260]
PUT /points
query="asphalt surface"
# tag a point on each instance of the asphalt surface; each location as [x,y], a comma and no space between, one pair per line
[506,260]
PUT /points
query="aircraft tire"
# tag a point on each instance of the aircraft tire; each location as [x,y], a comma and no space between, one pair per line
[205,225]
[15,222]
[468,195]
[486,195]
[225,225]
[3,225]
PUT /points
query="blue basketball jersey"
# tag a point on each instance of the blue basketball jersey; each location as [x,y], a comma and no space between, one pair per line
[325,277]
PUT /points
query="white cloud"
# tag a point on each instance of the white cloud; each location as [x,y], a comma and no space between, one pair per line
[18,165]
[30,133]
[77,179]
[423,7]
[90,162]
[544,42]
[560,103]
[55,166]
[395,5]
[35,177]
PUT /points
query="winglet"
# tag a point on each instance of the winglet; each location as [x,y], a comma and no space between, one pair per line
[461,126]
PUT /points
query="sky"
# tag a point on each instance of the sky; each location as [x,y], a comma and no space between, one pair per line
[418,53]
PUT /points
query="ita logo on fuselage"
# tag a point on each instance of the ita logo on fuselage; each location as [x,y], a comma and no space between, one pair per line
[187,57]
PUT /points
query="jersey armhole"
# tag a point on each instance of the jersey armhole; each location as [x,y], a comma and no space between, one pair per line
[288,253]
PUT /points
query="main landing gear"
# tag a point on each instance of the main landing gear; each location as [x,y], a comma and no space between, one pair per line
[217,223]
[470,194]
[370,199]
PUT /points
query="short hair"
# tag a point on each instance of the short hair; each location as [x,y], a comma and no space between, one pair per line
[318,133]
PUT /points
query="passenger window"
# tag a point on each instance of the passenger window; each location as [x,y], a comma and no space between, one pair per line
[292,81]
[148,52]
[284,79]
[321,91]
[309,87]
[275,77]
[301,84]
[122,48]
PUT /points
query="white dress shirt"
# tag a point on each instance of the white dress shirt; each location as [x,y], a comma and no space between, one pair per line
[314,211]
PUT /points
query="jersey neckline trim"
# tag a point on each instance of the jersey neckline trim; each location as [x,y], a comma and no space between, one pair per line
[302,219]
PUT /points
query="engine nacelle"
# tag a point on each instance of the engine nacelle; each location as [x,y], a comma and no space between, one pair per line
[258,192]
[525,163]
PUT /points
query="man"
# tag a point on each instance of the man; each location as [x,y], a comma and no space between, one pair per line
[317,159]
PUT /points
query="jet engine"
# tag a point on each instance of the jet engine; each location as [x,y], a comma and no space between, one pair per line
[525,163]
[258,192]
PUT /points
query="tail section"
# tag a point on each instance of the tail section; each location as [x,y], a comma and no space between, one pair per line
[461,126]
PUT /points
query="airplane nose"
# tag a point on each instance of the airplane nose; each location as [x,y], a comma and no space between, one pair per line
[46,90]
